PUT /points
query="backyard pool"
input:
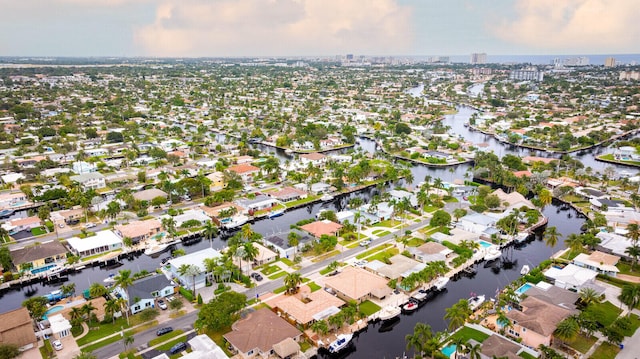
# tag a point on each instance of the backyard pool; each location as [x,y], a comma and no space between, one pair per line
[448,350]
[42,269]
[52,310]
[485,244]
[525,287]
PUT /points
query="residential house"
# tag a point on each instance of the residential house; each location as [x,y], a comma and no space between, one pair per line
[12,199]
[60,326]
[513,199]
[16,225]
[288,194]
[217,181]
[600,262]
[265,255]
[202,347]
[307,307]
[12,177]
[400,267]
[476,223]
[101,242]
[357,284]
[195,214]
[497,346]
[149,194]
[197,259]
[72,215]
[537,320]
[431,252]
[320,228]
[144,292]
[571,277]
[256,335]
[16,328]
[245,171]
[400,195]
[374,214]
[81,167]
[614,243]
[315,159]
[89,181]
[139,230]
[280,242]
[39,256]
[257,203]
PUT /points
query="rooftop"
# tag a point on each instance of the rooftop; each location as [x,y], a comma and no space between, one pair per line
[261,330]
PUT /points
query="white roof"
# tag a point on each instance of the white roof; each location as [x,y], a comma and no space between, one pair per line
[571,274]
[196,214]
[102,238]
[59,323]
[203,347]
[196,258]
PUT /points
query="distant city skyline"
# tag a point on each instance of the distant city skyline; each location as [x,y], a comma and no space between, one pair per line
[228,28]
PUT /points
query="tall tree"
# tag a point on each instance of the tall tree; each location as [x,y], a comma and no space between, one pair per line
[124,280]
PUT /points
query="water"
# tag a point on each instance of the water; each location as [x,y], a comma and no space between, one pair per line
[52,310]
[449,349]
[525,287]
[485,244]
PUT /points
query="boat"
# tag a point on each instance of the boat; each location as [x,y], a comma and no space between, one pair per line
[276,213]
[110,279]
[340,343]
[492,254]
[234,222]
[6,212]
[288,151]
[521,237]
[440,283]
[420,296]
[525,269]
[156,248]
[476,301]
[55,296]
[389,312]
[55,270]
[327,197]
[410,306]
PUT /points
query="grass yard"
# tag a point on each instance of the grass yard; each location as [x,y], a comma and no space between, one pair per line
[635,323]
[286,261]
[526,355]
[309,199]
[277,275]
[322,257]
[368,307]
[271,269]
[383,256]
[388,223]
[605,351]
[467,333]
[38,231]
[582,343]
[313,286]
[373,250]
[414,242]
[103,331]
[626,268]
[605,313]
[381,233]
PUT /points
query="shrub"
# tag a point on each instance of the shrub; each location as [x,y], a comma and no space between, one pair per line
[199,299]
[187,294]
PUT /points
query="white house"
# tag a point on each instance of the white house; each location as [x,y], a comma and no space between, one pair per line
[571,276]
[88,181]
[144,292]
[81,167]
[102,241]
[476,222]
[196,259]
[258,203]
[315,159]
[191,215]
[600,262]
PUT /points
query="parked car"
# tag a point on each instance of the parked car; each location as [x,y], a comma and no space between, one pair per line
[162,304]
[57,345]
[365,243]
[163,331]
[89,225]
[256,276]
[178,348]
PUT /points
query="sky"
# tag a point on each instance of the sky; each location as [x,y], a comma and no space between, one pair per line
[228,28]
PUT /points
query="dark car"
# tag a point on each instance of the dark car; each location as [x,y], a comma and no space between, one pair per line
[163,331]
[178,348]
[256,276]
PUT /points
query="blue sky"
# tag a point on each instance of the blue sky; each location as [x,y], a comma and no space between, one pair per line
[316,27]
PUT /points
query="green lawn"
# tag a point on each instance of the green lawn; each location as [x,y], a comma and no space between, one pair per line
[278,275]
[327,255]
[625,268]
[605,351]
[280,290]
[388,223]
[38,231]
[103,331]
[526,355]
[309,199]
[582,343]
[635,323]
[368,307]
[286,261]
[165,337]
[467,333]
[381,233]
[102,343]
[313,286]
[414,242]
[382,256]
[373,250]
[605,313]
[270,269]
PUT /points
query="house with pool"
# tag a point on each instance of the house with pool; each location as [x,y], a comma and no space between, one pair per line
[196,259]
[39,257]
[102,242]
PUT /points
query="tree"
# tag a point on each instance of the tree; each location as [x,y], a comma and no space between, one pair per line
[36,306]
[249,252]
[567,329]
[492,201]
[5,258]
[545,197]
[127,340]
[458,313]
[192,271]
[459,213]
[176,304]
[320,327]
[97,290]
[9,351]
[423,340]
[210,231]
[292,281]
[113,209]
[44,212]
[88,309]
[294,241]
[440,218]
[124,281]
[111,306]
[221,311]
[68,289]
[633,232]
[630,296]
[574,242]
[551,236]
[588,296]
[633,252]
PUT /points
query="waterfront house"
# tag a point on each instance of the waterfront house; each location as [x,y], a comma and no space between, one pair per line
[288,194]
[614,243]
[600,262]
[320,228]
[265,255]
[357,284]
[476,222]
[81,167]
[144,292]
[16,225]
[60,326]
[256,335]
[12,199]
[195,214]
[16,328]
[89,181]
[379,213]
[497,346]
[280,242]
[315,159]
[513,200]
[307,307]
[257,203]
[197,259]
[591,193]
[101,242]
[431,252]
[149,194]
[400,195]
[571,277]
[39,255]
[399,267]
[245,171]
[139,230]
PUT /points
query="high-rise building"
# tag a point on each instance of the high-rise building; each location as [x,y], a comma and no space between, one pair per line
[531,74]
[610,62]
[478,58]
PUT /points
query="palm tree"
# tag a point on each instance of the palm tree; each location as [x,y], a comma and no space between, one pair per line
[210,266]
[76,314]
[633,252]
[574,242]
[567,329]
[191,270]
[545,197]
[589,295]
[124,280]
[294,241]
[336,320]
[458,313]
[551,236]
[423,340]
[127,340]
[473,351]
[210,231]
[249,252]
[88,309]
[320,327]
[111,307]
[459,342]
[630,296]
[113,209]
[633,232]
[292,281]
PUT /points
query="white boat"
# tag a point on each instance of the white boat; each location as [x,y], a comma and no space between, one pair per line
[55,270]
[340,343]
[521,237]
[234,222]
[327,197]
[110,278]
[156,248]
[420,295]
[525,269]
[389,312]
[475,302]
[492,254]
[276,213]
[441,282]
[410,306]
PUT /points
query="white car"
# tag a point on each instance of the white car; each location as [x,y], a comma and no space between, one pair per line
[89,225]
[365,243]
[57,345]
[162,304]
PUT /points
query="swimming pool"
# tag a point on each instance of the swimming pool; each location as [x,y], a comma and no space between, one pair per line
[448,350]
[525,287]
[42,269]
[485,244]
[52,310]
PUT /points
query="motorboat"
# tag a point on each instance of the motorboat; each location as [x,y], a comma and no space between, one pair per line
[521,237]
[340,343]
[234,222]
[410,306]
[389,312]
[156,248]
[525,269]
[110,279]
[276,213]
[476,301]
[326,198]
[6,213]
[420,296]
[492,254]
[440,283]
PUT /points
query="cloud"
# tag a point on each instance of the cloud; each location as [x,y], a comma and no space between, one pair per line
[572,26]
[276,27]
